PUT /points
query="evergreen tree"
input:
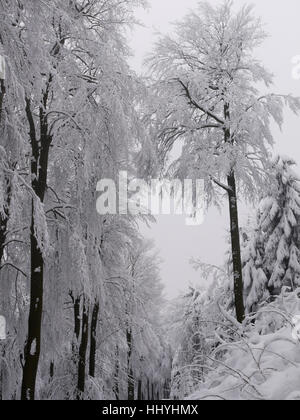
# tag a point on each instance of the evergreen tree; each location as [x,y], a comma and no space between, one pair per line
[255,279]
[271,257]
[279,220]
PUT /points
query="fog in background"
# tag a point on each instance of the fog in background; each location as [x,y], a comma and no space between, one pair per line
[176,242]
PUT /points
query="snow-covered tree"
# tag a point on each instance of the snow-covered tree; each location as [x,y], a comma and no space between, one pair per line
[148,358]
[207,96]
[255,279]
[69,118]
[196,325]
[280,219]
[272,254]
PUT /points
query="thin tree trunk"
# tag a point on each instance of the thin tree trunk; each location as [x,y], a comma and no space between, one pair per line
[234,231]
[93,344]
[82,351]
[129,367]
[148,389]
[2,94]
[140,394]
[4,219]
[77,318]
[77,324]
[116,378]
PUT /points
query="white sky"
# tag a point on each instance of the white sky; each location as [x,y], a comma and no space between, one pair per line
[176,242]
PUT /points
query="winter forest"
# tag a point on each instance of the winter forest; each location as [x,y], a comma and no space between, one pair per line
[83,311]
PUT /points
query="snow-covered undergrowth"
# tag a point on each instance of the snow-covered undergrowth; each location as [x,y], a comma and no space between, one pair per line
[262,362]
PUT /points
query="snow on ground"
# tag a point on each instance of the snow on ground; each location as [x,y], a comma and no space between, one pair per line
[264,364]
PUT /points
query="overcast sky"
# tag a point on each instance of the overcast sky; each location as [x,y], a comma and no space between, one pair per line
[176,242]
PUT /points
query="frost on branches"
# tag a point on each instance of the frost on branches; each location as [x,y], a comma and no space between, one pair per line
[81,293]
[258,360]
[79,321]
[206,96]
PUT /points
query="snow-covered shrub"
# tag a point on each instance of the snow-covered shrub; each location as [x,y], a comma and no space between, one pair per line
[263,362]
[195,319]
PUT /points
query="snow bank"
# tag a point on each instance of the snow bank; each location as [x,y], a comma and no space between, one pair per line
[263,364]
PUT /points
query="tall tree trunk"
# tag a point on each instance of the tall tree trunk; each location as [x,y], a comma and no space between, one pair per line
[33,343]
[83,350]
[234,229]
[236,250]
[39,171]
[129,366]
[93,344]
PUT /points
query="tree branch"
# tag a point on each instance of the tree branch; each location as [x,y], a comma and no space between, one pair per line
[221,185]
[13,266]
[196,105]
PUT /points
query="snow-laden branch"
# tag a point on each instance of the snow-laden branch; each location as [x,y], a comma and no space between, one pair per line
[197,105]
